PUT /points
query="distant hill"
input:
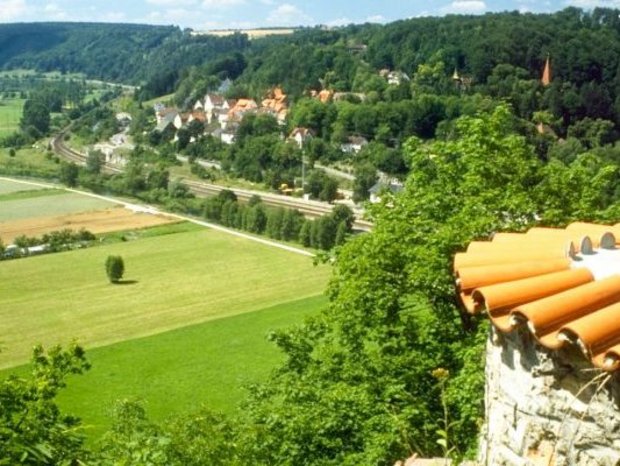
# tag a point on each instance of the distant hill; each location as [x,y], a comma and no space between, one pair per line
[128,53]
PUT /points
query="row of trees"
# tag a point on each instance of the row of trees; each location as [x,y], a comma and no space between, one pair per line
[279,223]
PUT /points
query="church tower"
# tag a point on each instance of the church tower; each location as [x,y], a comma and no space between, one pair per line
[546,76]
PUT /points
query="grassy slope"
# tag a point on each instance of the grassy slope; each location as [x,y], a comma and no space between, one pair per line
[30,161]
[28,194]
[45,206]
[8,187]
[10,114]
[182,279]
[178,371]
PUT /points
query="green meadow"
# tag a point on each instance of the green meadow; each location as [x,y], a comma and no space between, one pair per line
[172,281]
[9,187]
[177,372]
[10,114]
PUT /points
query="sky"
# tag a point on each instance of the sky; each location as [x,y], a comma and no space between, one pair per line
[243,14]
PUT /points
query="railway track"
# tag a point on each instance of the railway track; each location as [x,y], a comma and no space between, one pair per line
[307,207]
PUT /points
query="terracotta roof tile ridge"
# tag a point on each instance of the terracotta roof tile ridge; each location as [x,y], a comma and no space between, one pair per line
[546,316]
[470,278]
[596,333]
[507,295]
[503,257]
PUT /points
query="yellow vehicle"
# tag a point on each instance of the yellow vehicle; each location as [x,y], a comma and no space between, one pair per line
[285,189]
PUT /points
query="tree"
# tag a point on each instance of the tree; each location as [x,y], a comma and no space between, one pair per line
[341,234]
[94,161]
[114,267]
[35,118]
[69,173]
[357,384]
[343,214]
[365,178]
[33,430]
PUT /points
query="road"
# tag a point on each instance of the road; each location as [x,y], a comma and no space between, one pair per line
[307,207]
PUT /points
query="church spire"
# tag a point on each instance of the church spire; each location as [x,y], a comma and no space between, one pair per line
[546,76]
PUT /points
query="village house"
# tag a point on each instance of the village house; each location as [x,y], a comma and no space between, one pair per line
[394,77]
[381,187]
[166,119]
[241,108]
[325,96]
[180,120]
[340,96]
[276,103]
[228,134]
[301,136]
[164,113]
[353,144]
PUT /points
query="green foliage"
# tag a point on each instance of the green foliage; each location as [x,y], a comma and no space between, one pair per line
[94,161]
[114,268]
[32,428]
[365,178]
[69,174]
[35,119]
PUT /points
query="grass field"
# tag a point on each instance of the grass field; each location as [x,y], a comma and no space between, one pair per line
[29,161]
[178,280]
[10,114]
[9,187]
[48,205]
[29,194]
[178,371]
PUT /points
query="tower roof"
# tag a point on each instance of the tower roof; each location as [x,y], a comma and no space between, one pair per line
[546,76]
[563,285]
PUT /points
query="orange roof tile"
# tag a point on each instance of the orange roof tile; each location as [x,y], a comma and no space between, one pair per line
[563,285]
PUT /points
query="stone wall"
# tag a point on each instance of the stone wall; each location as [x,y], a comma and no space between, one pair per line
[547,407]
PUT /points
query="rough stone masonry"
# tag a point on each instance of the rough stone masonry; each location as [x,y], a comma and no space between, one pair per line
[547,407]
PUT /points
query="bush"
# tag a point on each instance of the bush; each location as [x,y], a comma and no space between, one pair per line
[114,267]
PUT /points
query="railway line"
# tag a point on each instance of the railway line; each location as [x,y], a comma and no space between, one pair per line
[307,207]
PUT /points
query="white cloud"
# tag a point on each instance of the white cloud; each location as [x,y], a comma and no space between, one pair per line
[176,3]
[268,2]
[221,4]
[114,17]
[376,19]
[588,4]
[465,6]
[11,10]
[53,11]
[339,22]
[288,15]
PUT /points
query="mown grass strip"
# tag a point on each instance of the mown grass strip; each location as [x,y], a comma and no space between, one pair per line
[30,194]
[178,371]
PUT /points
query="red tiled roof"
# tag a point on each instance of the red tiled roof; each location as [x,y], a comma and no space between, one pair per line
[563,285]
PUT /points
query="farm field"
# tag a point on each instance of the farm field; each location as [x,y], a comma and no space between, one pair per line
[98,221]
[174,281]
[47,206]
[176,372]
[7,187]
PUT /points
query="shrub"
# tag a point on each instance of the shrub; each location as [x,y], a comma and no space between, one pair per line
[114,267]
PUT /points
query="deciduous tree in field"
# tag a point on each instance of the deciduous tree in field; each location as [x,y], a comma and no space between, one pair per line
[114,267]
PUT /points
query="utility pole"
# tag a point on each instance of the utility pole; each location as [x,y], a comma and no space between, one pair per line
[303,173]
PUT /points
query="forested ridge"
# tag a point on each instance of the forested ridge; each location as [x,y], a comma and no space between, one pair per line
[392,366]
